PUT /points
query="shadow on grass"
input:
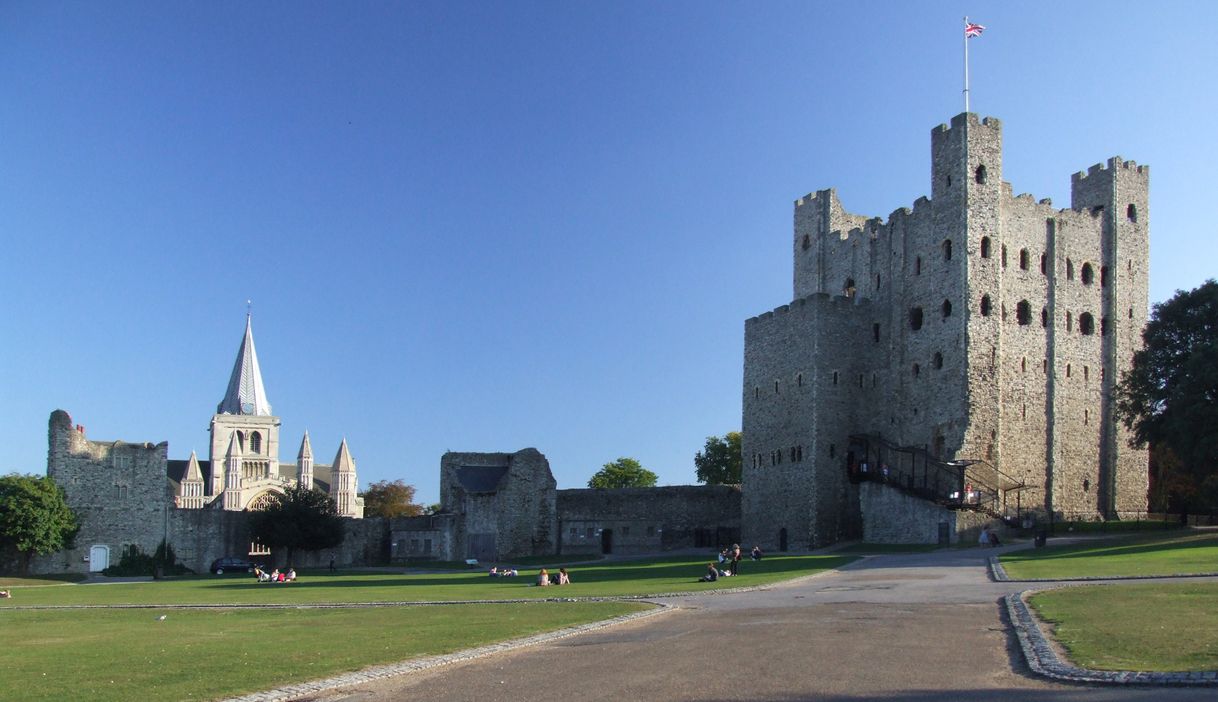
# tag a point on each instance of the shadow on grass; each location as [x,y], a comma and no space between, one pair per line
[1117,546]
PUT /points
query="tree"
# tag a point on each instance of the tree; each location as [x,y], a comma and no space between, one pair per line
[390,499]
[719,462]
[301,518]
[1169,398]
[34,517]
[623,473]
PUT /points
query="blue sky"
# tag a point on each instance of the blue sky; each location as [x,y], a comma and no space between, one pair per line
[487,226]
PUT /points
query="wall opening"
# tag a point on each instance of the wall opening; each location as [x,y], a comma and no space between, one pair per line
[938,361]
[1086,324]
[1069,322]
[806,243]
[980,175]
[1044,265]
[1103,276]
[947,308]
[1069,269]
[875,332]
[1044,317]
[1023,259]
[918,265]
[1023,313]
[947,249]
[1087,274]
[1131,212]
[1004,255]
[985,305]
[985,247]
[915,318]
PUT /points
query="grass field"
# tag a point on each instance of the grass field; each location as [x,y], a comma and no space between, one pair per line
[123,654]
[1152,627]
[603,579]
[108,654]
[1159,554]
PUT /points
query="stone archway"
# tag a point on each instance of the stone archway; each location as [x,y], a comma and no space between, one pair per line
[262,500]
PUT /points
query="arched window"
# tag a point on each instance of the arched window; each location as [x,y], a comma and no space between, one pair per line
[938,360]
[985,247]
[947,249]
[947,308]
[1131,212]
[915,318]
[1023,259]
[979,175]
[1069,269]
[1023,313]
[1086,324]
[1087,274]
[255,442]
[807,242]
[985,305]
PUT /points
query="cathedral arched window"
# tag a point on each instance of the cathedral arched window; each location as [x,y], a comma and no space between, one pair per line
[255,442]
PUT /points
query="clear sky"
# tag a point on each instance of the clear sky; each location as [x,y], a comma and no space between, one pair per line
[487,226]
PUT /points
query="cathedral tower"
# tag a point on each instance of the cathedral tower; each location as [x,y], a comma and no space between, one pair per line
[244,415]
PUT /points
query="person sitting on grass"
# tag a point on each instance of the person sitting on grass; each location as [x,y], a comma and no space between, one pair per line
[712,574]
[494,572]
[275,575]
[543,578]
[563,578]
[5,594]
[756,554]
[291,576]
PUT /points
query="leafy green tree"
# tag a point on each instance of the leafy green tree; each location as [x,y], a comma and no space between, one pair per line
[386,498]
[301,518]
[34,517]
[623,473]
[1169,398]
[719,462]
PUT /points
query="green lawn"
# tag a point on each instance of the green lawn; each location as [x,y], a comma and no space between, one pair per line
[1151,627]
[12,580]
[1160,554]
[603,579]
[130,655]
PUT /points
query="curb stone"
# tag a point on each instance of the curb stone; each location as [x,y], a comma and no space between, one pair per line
[380,672]
[1043,660]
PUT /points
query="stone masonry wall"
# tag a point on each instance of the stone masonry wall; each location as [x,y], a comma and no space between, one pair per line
[646,520]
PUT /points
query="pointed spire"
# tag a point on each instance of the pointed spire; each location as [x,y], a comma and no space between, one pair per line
[343,463]
[306,449]
[234,448]
[193,471]
[245,394]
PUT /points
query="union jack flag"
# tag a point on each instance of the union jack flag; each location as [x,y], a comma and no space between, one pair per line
[973,30]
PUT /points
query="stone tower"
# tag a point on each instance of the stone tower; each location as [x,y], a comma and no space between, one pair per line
[244,415]
[977,327]
[343,487]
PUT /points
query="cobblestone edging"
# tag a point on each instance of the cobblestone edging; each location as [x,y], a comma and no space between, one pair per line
[999,574]
[1043,660]
[379,672]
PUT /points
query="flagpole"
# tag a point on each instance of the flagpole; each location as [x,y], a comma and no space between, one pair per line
[965,63]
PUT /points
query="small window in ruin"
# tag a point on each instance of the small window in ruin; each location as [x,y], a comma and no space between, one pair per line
[1086,324]
[1103,276]
[1131,212]
[917,370]
[949,181]
[1069,269]
[1023,365]
[1086,417]
[1086,485]
[874,381]
[775,387]
[985,247]
[947,249]
[1087,275]
[1129,265]
[1068,369]
[1131,313]
[915,318]
[835,377]
[1044,317]
[1025,411]
[1044,265]
[947,308]
[799,453]
[1004,313]
[979,175]
[806,243]
[1004,255]
[792,454]
[799,380]
[1069,322]
[918,265]
[1023,259]
[875,332]
[1086,372]
[985,305]
[1023,313]
[877,281]
[1044,366]
[938,361]
[757,392]
[860,380]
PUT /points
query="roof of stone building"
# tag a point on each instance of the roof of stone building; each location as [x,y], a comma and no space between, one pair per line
[306,448]
[343,463]
[192,468]
[246,394]
[481,478]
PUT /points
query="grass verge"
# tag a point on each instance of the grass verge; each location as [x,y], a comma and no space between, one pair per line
[36,580]
[1159,627]
[130,654]
[1158,554]
[604,579]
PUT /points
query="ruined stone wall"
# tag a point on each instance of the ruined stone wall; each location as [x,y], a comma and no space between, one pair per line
[429,536]
[647,520]
[518,509]
[893,517]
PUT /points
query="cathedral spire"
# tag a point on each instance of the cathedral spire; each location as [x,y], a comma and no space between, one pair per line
[245,394]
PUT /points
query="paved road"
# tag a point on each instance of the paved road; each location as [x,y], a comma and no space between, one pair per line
[896,627]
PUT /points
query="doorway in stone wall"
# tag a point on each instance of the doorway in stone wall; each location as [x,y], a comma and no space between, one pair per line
[606,541]
[782,539]
[99,558]
[481,547]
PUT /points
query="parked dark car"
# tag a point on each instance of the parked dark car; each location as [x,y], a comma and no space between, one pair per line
[232,565]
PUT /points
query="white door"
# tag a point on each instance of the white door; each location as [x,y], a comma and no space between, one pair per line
[99,558]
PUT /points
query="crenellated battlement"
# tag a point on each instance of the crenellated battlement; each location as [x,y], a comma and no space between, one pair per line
[825,300]
[1114,164]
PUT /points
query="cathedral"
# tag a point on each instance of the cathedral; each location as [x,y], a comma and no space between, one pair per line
[243,469]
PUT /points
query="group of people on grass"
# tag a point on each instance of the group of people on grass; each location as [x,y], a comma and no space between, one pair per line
[275,576]
[544,579]
[497,572]
[729,557]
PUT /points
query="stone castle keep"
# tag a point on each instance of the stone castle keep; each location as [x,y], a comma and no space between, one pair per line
[969,345]
[941,369]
